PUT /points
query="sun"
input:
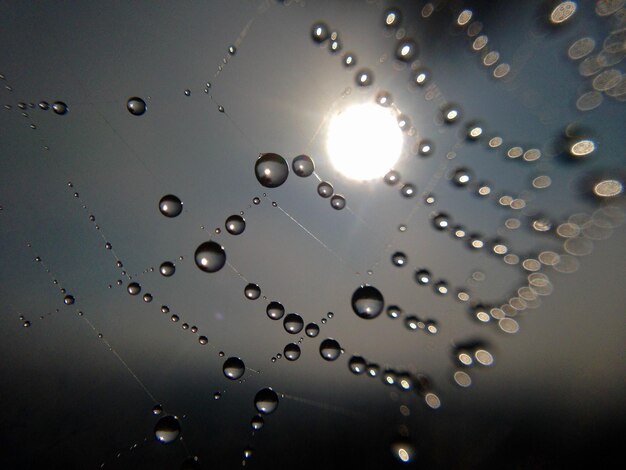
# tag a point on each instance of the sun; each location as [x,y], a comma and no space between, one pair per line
[364,141]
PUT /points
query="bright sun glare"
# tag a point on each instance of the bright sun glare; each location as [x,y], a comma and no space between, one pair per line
[364,141]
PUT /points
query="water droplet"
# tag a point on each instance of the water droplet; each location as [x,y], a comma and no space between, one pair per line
[165,309]
[257,422]
[303,166]
[68,299]
[325,189]
[349,60]
[320,32]
[337,202]
[136,106]
[232,50]
[256,201]
[194,329]
[266,401]
[252,291]
[408,190]
[364,77]
[450,113]
[292,352]
[312,330]
[441,221]
[330,349]
[357,365]
[108,245]
[167,269]
[210,257]
[271,170]
[203,340]
[373,370]
[399,259]
[422,277]
[26,324]
[147,297]
[421,77]
[43,105]
[293,323]
[167,429]
[392,18]
[393,311]
[157,410]
[367,302]
[461,177]
[406,50]
[221,109]
[133,288]
[170,206]
[235,224]
[174,319]
[233,368]
[187,92]
[275,310]
[59,107]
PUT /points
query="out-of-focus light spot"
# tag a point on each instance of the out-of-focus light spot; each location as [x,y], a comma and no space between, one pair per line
[464,17]
[608,188]
[582,148]
[480,42]
[508,325]
[542,182]
[483,357]
[515,152]
[501,70]
[432,400]
[462,379]
[562,12]
[491,58]
[465,359]
[495,142]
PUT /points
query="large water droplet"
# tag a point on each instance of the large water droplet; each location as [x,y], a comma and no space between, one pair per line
[292,352]
[167,429]
[293,323]
[271,170]
[133,288]
[210,257]
[275,310]
[252,291]
[357,365]
[233,368]
[170,206]
[60,107]
[136,106]
[330,349]
[167,268]
[303,166]
[266,401]
[325,189]
[367,302]
[235,224]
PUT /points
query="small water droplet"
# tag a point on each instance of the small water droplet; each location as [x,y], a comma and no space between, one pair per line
[393,311]
[68,299]
[167,429]
[232,50]
[59,107]
[235,224]
[136,106]
[357,365]
[157,410]
[320,32]
[399,259]
[330,349]
[147,297]
[367,302]
[364,78]
[312,330]
[257,422]
[252,291]
[266,401]
[325,189]
[292,352]
[337,202]
[167,269]
[133,288]
[203,340]
[187,92]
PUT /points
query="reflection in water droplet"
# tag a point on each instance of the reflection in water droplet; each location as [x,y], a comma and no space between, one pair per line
[275,310]
[357,365]
[210,257]
[170,206]
[235,224]
[293,323]
[312,330]
[167,429]
[233,368]
[167,268]
[330,349]
[136,106]
[292,352]
[337,202]
[303,166]
[266,401]
[367,302]
[271,170]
